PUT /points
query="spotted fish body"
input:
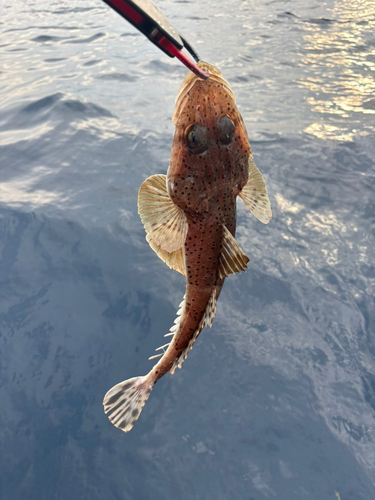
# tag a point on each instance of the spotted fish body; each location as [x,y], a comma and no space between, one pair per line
[190,220]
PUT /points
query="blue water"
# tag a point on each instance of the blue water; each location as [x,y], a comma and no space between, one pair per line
[277,400]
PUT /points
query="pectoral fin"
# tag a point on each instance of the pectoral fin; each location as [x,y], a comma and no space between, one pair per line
[175,260]
[232,258]
[255,195]
[164,222]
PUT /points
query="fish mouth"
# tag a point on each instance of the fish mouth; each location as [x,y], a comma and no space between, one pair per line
[191,79]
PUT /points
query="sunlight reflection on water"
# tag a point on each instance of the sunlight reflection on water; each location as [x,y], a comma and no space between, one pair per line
[344,70]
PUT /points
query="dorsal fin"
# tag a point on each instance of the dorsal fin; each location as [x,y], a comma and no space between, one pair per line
[255,195]
[172,330]
[163,221]
[206,320]
[232,260]
[175,260]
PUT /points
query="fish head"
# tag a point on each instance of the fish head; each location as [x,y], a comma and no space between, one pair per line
[210,149]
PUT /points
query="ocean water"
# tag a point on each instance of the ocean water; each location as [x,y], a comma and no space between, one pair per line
[277,399]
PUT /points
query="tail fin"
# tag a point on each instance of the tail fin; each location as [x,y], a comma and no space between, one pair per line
[126,400]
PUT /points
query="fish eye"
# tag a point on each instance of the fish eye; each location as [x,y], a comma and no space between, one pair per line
[196,139]
[226,130]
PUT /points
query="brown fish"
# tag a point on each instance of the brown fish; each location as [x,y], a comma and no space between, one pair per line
[190,220]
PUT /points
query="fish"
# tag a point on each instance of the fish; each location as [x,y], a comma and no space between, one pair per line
[189,217]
